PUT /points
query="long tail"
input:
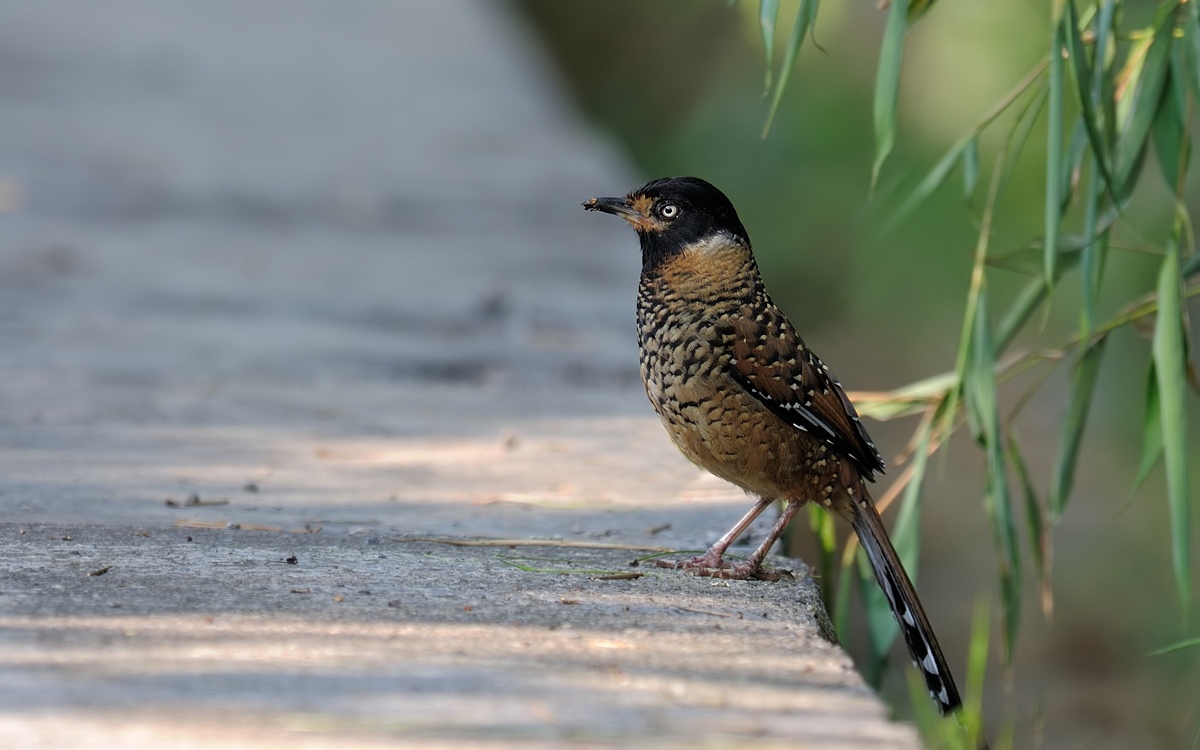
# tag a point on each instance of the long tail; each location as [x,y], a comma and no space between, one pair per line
[906,606]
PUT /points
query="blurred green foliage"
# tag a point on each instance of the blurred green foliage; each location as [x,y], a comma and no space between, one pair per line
[680,85]
[1029,159]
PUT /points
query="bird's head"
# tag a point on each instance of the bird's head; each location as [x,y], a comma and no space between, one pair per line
[676,215]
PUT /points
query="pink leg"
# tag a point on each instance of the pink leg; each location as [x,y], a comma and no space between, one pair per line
[711,562]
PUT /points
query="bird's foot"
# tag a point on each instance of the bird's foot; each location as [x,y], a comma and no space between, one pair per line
[714,567]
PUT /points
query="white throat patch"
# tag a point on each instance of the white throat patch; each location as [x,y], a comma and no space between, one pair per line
[714,244]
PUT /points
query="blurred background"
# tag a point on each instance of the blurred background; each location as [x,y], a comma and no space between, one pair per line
[680,85]
[225,230]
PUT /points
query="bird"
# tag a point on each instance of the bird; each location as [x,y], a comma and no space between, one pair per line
[743,397]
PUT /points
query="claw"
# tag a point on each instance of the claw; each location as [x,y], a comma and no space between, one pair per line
[718,568]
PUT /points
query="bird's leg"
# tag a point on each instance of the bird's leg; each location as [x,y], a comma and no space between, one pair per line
[711,562]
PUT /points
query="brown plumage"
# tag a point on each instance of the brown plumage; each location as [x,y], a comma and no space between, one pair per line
[742,396]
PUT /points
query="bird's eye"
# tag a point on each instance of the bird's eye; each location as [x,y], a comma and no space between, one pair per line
[668,210]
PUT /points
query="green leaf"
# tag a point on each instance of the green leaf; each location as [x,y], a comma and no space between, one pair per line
[1034,293]
[768,11]
[1191,45]
[1092,258]
[909,399]
[906,534]
[1191,265]
[1170,367]
[977,657]
[1147,86]
[1037,521]
[981,392]
[1027,260]
[1189,643]
[966,148]
[887,84]
[806,14]
[1073,164]
[1021,130]
[1171,143]
[1054,157]
[841,606]
[821,522]
[1087,84]
[1027,301]
[970,160]
[1152,430]
[1095,249]
[1102,82]
[1086,369]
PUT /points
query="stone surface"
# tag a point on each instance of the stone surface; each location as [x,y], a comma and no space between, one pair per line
[299,281]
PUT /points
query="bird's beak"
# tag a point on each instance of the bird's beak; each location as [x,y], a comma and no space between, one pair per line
[616,206]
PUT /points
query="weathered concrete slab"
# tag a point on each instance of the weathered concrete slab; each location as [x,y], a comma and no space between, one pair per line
[199,633]
[304,281]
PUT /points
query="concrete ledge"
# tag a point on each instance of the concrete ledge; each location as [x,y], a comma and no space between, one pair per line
[368,639]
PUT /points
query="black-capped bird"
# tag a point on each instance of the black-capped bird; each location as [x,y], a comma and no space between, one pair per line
[743,397]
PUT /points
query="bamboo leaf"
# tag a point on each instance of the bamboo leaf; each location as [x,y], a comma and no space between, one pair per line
[1102,83]
[970,160]
[1093,257]
[1191,266]
[1028,259]
[1127,77]
[913,398]
[822,526]
[841,606]
[1152,431]
[1191,45]
[806,14]
[981,390]
[768,12]
[1170,365]
[1189,643]
[1086,369]
[1095,249]
[1037,521]
[887,84]
[1171,143]
[977,657]
[1087,83]
[1147,87]
[1021,130]
[1073,163]
[1033,294]
[906,534]
[966,148]
[1027,301]
[1054,156]
[974,293]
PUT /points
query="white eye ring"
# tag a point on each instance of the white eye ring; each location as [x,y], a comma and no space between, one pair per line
[668,211]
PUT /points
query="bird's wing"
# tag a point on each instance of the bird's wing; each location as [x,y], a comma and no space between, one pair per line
[774,365]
